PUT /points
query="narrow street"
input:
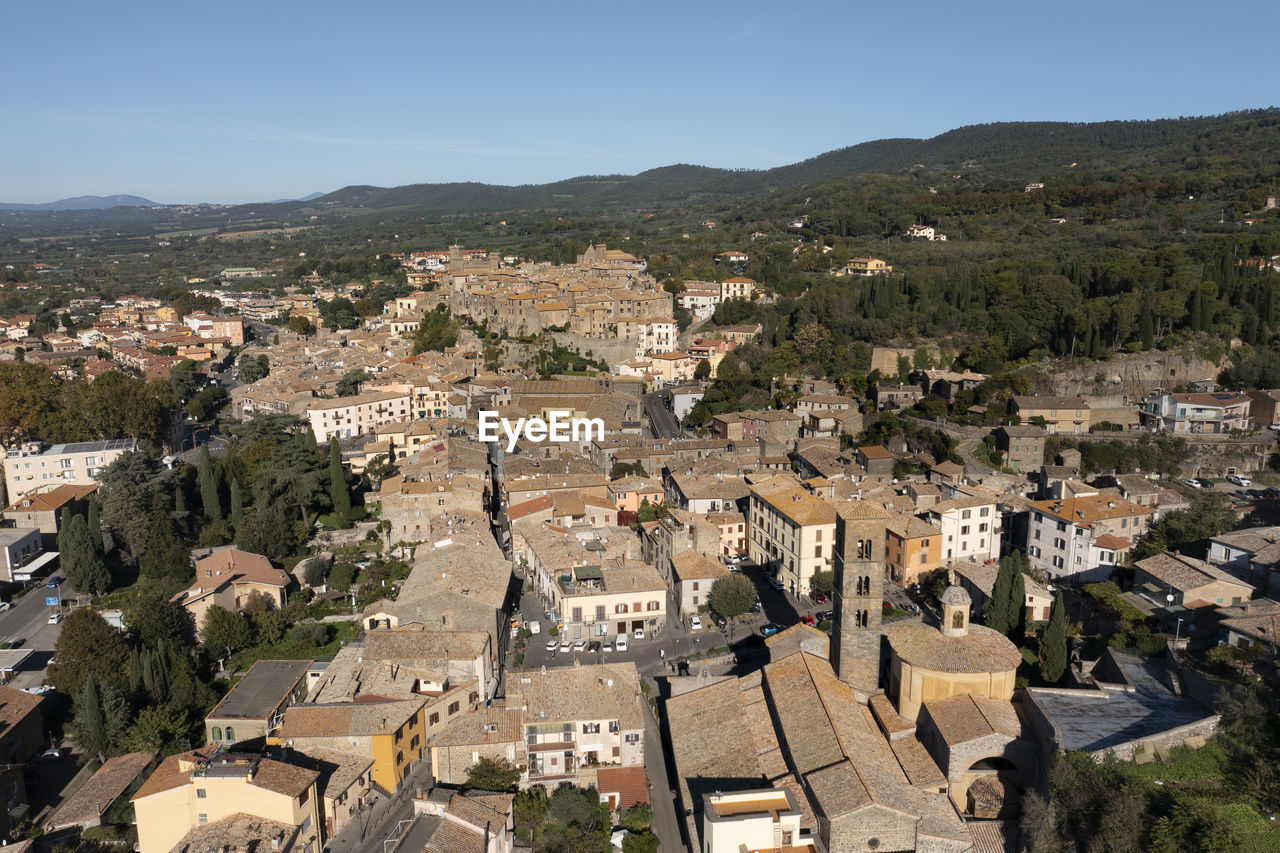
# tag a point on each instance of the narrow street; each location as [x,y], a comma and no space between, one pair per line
[666,824]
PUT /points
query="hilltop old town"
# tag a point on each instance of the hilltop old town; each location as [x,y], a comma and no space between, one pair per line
[286,583]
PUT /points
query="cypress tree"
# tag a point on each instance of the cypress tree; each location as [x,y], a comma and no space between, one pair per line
[1053,643]
[1017,603]
[338,491]
[309,441]
[208,487]
[95,527]
[166,554]
[237,504]
[135,670]
[81,563]
[64,524]
[91,723]
[998,614]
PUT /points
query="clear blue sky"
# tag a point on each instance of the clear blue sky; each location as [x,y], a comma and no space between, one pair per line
[235,101]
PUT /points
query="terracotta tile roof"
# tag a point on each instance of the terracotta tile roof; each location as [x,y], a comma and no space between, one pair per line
[347,718]
[231,566]
[1107,540]
[450,837]
[910,527]
[86,805]
[423,645]
[1186,573]
[972,717]
[980,650]
[281,778]
[52,499]
[995,836]
[170,774]
[690,565]
[239,832]
[15,705]
[1090,508]
[570,693]
[495,724]
[916,762]
[891,722]
[338,771]
[629,783]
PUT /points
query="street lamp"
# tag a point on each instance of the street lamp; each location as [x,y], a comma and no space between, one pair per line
[1177,632]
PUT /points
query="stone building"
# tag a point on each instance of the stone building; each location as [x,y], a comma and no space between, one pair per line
[929,664]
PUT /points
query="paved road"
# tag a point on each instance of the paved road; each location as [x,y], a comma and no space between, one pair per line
[26,624]
[662,421]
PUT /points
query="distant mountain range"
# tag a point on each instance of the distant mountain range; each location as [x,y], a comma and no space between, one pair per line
[1011,151]
[1026,151]
[102,202]
[84,202]
[303,198]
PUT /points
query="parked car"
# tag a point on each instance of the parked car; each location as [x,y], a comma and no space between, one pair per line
[718,620]
[808,620]
[777,584]
[552,645]
[756,608]
[1239,480]
[607,647]
[769,629]
[639,634]
[52,754]
[826,615]
[819,598]
[1271,493]
[593,647]
[4,605]
[580,646]
[1192,482]
[1205,484]
[53,583]
[39,690]
[535,627]
[621,644]
[695,624]
[566,646]
[55,618]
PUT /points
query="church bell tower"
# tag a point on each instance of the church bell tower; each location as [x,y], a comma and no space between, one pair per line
[859,594]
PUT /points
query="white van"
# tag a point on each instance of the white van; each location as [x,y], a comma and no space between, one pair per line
[535,627]
[621,644]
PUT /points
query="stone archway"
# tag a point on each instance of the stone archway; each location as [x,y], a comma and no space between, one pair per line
[989,788]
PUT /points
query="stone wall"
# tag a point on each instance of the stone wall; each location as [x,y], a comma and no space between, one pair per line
[1133,375]
[1192,734]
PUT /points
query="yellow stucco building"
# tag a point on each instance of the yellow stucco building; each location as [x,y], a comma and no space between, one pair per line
[960,659]
[391,733]
[204,787]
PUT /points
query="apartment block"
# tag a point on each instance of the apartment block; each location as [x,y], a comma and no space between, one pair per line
[580,718]
[193,793]
[1196,414]
[970,528]
[1084,537]
[345,417]
[792,532]
[1060,414]
[38,467]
